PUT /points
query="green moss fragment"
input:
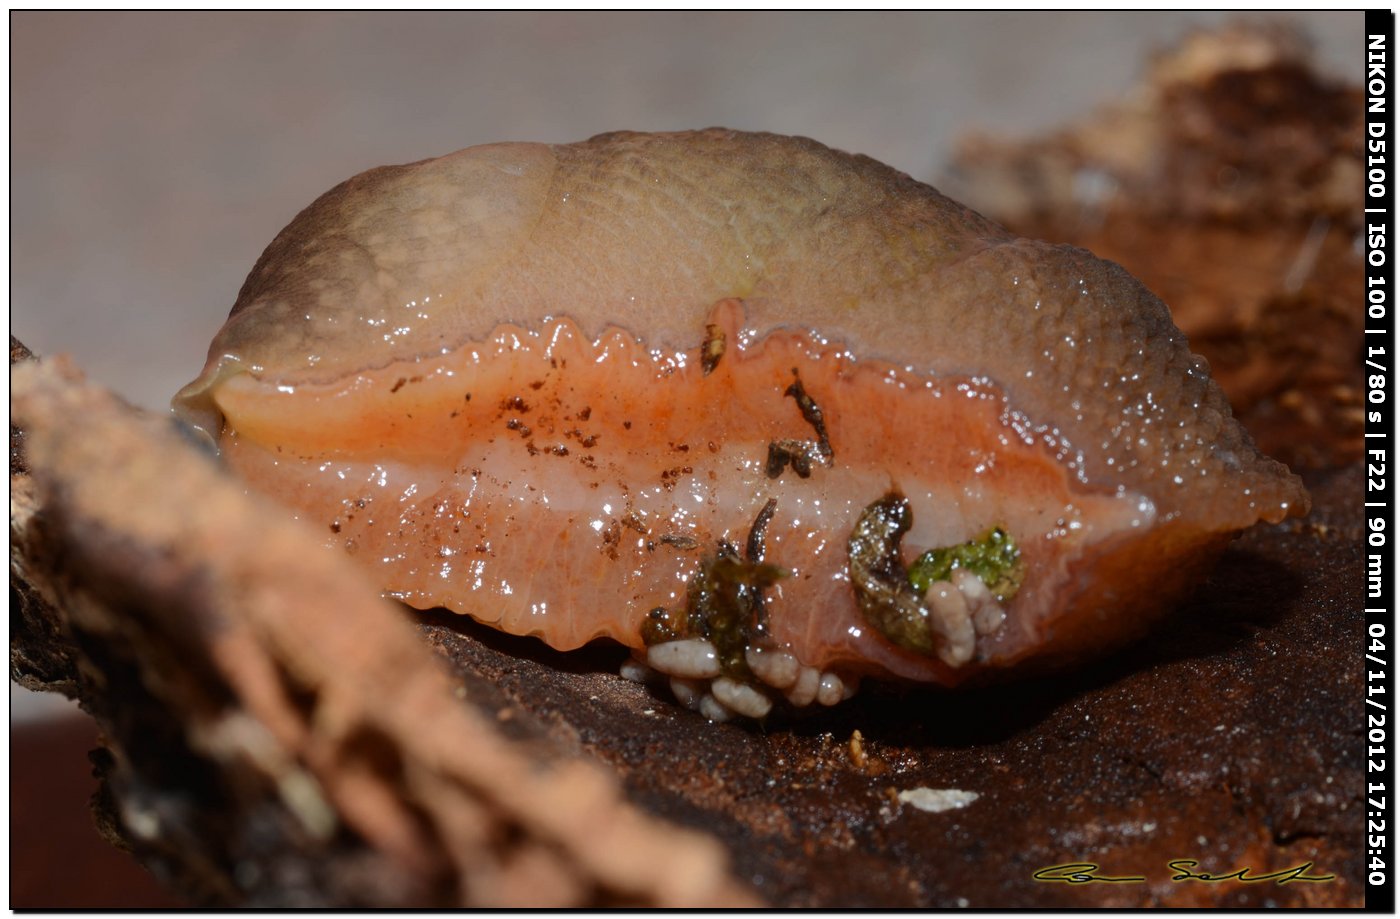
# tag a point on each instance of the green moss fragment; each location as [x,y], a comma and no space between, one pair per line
[890,596]
[993,557]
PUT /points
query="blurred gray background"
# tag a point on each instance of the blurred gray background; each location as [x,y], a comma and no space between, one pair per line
[153,155]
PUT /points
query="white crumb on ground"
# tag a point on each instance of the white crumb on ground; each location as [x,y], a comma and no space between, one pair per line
[937,800]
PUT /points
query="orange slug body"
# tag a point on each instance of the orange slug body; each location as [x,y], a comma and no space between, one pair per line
[540,385]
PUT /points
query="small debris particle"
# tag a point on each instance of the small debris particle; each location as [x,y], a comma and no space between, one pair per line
[800,453]
[782,452]
[812,414]
[712,349]
[857,747]
[937,800]
[398,384]
[755,548]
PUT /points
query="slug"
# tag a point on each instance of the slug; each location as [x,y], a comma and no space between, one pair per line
[774,416]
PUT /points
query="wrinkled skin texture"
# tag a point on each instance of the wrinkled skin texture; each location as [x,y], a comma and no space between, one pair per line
[482,374]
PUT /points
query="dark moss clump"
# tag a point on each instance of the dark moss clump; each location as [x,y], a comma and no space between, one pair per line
[725,601]
[886,598]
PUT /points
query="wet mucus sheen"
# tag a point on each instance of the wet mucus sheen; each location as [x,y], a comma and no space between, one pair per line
[774,416]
